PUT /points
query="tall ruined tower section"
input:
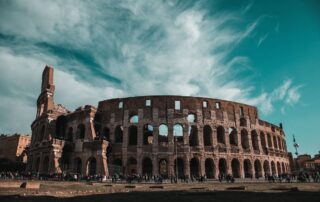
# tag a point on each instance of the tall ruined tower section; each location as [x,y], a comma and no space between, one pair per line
[45,100]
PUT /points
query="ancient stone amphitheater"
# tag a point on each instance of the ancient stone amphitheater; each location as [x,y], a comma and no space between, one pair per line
[155,135]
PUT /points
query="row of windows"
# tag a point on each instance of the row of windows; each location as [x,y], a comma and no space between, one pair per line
[177,104]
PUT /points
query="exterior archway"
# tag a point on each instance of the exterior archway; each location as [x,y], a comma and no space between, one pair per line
[273,168]
[257,168]
[147,166]
[132,166]
[178,133]
[194,167]
[106,133]
[81,131]
[266,168]
[221,135]
[209,168]
[222,167]
[37,164]
[233,137]
[92,166]
[45,165]
[235,165]
[147,134]
[133,135]
[163,134]
[244,139]
[255,141]
[77,165]
[247,167]
[65,160]
[263,142]
[179,166]
[61,127]
[269,141]
[163,168]
[283,168]
[118,132]
[279,168]
[207,135]
[193,136]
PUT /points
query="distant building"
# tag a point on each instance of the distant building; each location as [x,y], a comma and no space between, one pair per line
[12,147]
[305,162]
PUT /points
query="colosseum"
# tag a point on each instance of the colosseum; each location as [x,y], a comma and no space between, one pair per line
[154,135]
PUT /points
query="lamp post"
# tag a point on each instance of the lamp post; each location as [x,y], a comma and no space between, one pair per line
[296,145]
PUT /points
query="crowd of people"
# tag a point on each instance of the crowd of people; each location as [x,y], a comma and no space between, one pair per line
[136,178]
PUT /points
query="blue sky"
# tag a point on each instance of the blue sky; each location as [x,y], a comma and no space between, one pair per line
[263,53]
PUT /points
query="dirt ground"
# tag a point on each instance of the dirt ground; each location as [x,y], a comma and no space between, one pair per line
[96,192]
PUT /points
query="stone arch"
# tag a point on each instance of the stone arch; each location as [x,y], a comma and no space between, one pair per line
[235,165]
[283,168]
[147,134]
[133,135]
[179,166]
[66,157]
[147,166]
[106,133]
[134,119]
[163,168]
[45,164]
[37,164]
[132,166]
[61,126]
[77,165]
[191,118]
[221,135]
[207,135]
[193,136]
[279,143]
[194,167]
[275,144]
[273,168]
[163,134]
[233,136]
[266,168]
[244,139]
[269,140]
[263,141]
[247,167]
[81,131]
[257,168]
[255,141]
[178,132]
[91,166]
[209,168]
[222,167]
[279,168]
[118,133]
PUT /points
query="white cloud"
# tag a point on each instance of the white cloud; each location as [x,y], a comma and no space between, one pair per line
[157,47]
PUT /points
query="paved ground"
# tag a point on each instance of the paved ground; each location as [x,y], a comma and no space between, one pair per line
[96,192]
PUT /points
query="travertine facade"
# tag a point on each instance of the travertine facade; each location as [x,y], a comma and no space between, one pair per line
[155,135]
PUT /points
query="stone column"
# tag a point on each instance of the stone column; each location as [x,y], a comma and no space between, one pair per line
[202,166]
[186,162]
[155,165]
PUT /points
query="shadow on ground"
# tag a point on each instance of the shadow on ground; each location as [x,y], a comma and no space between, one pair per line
[175,196]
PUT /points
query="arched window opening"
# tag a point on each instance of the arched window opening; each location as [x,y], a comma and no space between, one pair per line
[255,141]
[221,135]
[243,122]
[194,168]
[163,134]
[163,168]
[222,167]
[191,118]
[147,134]
[233,137]
[247,168]
[207,135]
[134,119]
[283,168]
[263,142]
[81,131]
[132,166]
[133,135]
[244,139]
[37,165]
[179,167]
[92,166]
[147,167]
[118,132]
[77,165]
[61,127]
[65,160]
[275,144]
[209,168]
[106,134]
[235,165]
[269,141]
[266,168]
[178,132]
[279,168]
[273,168]
[45,165]
[257,168]
[193,136]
